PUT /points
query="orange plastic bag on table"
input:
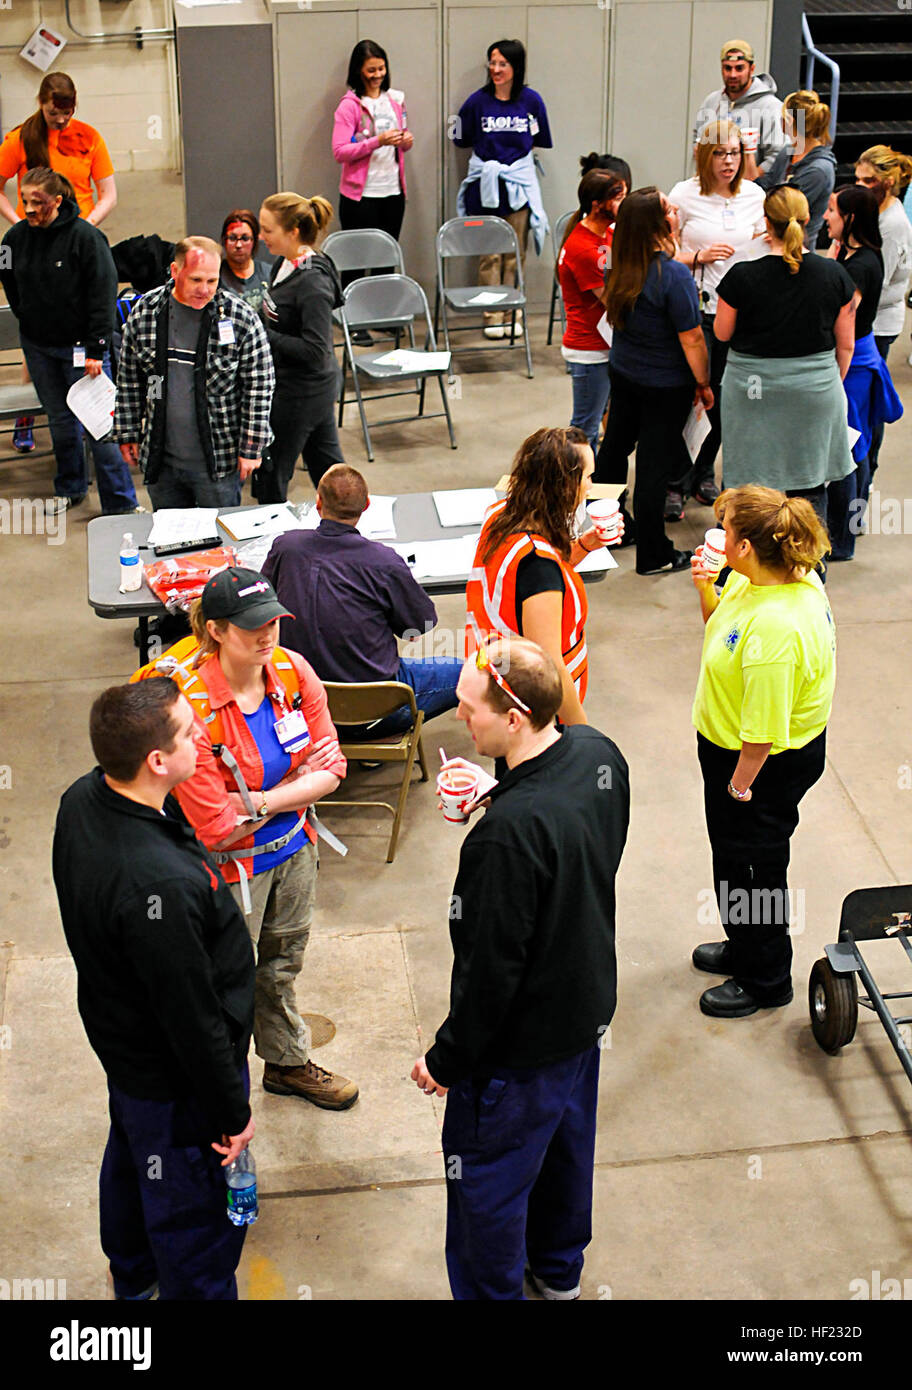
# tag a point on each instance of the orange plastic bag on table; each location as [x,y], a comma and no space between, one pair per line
[178,579]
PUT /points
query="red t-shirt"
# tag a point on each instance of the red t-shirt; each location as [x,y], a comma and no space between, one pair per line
[581,271]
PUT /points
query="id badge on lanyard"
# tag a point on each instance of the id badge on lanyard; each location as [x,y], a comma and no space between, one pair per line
[292,731]
[225,332]
[728,217]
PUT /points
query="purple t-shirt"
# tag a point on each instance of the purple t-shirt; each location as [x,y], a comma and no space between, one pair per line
[501,130]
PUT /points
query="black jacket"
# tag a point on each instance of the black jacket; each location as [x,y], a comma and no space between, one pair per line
[163,957]
[532,913]
[297,314]
[61,282]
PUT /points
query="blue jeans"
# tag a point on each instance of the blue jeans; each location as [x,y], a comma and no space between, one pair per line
[591,389]
[166,1220]
[53,373]
[522,1188]
[180,487]
[433,679]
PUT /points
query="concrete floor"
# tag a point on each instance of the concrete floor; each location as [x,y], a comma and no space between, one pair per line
[725,1150]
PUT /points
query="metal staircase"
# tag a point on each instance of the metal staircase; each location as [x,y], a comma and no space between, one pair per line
[871,42]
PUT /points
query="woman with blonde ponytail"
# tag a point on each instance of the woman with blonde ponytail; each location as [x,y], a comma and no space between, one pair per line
[807,163]
[297,314]
[761,709]
[789,319]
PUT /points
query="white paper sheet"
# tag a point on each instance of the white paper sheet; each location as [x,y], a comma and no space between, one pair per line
[597,561]
[440,559]
[91,400]
[264,521]
[464,506]
[43,47]
[695,431]
[377,522]
[488,297]
[406,360]
[604,328]
[183,526]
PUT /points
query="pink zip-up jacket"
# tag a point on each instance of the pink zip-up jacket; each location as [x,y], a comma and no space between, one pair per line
[354,140]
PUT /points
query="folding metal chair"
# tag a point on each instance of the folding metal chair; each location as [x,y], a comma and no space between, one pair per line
[386,301]
[557,298]
[22,398]
[460,238]
[357,251]
[364,702]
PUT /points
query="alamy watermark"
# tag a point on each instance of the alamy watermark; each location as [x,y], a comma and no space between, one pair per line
[33,516]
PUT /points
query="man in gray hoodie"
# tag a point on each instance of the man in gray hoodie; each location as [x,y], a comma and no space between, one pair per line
[751,102]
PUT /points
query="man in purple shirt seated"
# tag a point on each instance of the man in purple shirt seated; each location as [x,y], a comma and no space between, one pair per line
[352,598]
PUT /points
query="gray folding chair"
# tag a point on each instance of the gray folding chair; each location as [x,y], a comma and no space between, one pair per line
[391,301]
[557,299]
[462,237]
[21,398]
[359,251]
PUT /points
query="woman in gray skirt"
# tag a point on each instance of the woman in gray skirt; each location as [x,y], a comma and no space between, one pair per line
[789,318]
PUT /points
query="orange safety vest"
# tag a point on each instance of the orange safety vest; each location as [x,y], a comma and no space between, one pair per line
[491,598]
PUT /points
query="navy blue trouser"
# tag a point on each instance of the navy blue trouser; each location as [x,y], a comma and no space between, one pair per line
[518,1152]
[163,1203]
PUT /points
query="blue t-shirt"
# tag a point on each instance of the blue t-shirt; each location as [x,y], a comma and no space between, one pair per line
[276,763]
[501,130]
[647,347]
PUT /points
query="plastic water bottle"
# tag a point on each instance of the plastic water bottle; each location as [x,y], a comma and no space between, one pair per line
[131,575]
[242,1190]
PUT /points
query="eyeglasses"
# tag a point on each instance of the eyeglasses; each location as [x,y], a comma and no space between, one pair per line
[238,239]
[484,663]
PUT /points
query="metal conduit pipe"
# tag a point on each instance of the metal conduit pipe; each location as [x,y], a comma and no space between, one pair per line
[137,36]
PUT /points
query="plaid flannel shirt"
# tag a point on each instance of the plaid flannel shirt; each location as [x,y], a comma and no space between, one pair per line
[234,383]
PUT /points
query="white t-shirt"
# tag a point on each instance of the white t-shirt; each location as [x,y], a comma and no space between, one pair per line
[383,170]
[707,218]
[896,232]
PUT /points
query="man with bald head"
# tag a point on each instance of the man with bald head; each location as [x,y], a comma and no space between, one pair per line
[194,385]
[533,988]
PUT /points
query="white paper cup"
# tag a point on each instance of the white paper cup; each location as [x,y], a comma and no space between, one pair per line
[456,787]
[605,514]
[750,138]
[714,550]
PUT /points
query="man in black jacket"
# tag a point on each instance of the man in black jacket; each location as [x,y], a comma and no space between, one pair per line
[533,989]
[166,981]
[61,284]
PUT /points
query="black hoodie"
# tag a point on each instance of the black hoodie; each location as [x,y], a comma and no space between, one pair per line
[297,315]
[61,282]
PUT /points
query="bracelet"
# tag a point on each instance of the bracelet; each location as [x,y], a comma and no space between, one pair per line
[739,796]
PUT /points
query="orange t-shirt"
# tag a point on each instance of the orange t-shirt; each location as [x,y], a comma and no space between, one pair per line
[79,153]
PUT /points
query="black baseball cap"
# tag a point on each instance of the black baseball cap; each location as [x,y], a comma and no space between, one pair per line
[242,596]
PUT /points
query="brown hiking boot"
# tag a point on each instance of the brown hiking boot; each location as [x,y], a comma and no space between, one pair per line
[312,1083]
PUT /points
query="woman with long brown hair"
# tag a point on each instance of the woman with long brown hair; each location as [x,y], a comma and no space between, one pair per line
[524,580]
[297,315]
[581,264]
[52,139]
[659,367]
[763,699]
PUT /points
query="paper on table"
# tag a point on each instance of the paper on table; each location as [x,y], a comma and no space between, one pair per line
[488,297]
[695,431]
[463,506]
[91,400]
[263,521]
[440,559]
[377,522]
[405,360]
[183,526]
[604,328]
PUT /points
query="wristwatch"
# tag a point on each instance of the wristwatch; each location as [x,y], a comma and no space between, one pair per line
[739,796]
[262,809]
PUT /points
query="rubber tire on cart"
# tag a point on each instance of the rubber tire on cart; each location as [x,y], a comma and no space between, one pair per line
[833,1005]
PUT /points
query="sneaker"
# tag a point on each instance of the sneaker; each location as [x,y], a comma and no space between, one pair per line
[674,505]
[518,330]
[494,330]
[312,1083]
[63,504]
[23,439]
[549,1294]
[706,494]
[361,338]
[680,560]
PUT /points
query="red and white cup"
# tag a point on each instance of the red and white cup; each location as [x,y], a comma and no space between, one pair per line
[713,555]
[457,787]
[750,138]
[605,514]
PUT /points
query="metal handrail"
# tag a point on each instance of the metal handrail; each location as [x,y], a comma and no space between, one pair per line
[812,54]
